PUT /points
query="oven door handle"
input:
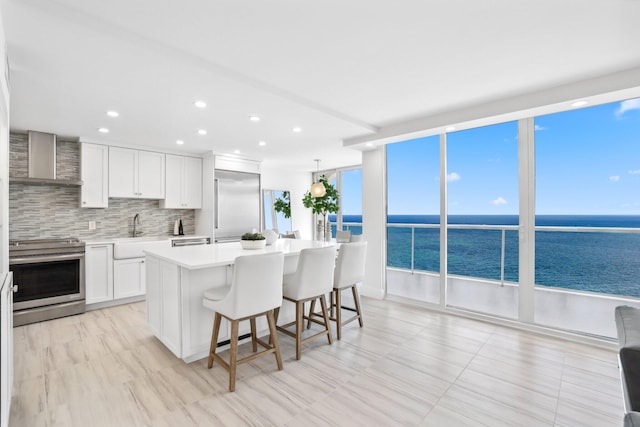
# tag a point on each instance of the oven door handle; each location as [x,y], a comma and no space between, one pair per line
[44,258]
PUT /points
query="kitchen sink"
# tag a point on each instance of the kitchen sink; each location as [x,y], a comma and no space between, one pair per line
[134,247]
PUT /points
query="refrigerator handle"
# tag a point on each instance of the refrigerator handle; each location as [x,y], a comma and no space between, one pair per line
[216,224]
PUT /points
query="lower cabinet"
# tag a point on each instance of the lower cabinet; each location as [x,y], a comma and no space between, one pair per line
[175,313]
[99,273]
[128,278]
[163,314]
[110,280]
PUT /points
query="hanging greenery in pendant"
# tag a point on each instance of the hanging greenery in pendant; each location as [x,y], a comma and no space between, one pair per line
[325,204]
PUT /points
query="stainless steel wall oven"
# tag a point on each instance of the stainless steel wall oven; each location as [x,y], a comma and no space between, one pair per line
[49,275]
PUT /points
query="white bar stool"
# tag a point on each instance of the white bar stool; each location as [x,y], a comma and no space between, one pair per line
[311,281]
[349,271]
[255,290]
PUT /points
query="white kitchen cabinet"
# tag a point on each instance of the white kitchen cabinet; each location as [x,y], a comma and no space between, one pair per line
[154,312]
[99,272]
[164,319]
[128,278]
[183,183]
[94,173]
[175,313]
[136,173]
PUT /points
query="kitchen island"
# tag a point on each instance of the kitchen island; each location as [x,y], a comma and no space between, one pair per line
[176,279]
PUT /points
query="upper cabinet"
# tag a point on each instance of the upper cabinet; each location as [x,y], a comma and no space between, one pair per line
[183,183]
[94,173]
[136,173]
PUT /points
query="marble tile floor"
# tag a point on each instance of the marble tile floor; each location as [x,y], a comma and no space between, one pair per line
[406,367]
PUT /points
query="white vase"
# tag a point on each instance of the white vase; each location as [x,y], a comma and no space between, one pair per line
[270,236]
[320,231]
[327,232]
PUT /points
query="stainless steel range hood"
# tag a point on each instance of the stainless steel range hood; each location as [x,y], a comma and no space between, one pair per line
[42,161]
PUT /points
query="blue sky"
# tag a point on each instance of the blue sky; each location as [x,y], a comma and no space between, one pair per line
[587,162]
[352,192]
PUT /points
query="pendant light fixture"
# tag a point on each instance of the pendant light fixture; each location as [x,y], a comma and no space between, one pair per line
[317,189]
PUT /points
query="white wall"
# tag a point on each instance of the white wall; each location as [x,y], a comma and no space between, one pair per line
[204,216]
[374,213]
[297,183]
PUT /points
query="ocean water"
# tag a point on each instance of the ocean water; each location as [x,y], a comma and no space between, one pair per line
[596,262]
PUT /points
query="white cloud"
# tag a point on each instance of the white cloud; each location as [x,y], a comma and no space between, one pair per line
[635,172]
[614,178]
[452,177]
[628,105]
[499,201]
[538,127]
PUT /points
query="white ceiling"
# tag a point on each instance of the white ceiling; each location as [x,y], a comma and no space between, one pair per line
[337,69]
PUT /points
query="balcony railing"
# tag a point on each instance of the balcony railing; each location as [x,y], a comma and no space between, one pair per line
[581,252]
[582,273]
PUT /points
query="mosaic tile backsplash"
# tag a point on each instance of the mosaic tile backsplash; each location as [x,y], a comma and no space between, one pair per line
[50,211]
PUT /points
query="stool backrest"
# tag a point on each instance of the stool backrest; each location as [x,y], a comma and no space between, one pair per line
[314,275]
[256,286]
[350,264]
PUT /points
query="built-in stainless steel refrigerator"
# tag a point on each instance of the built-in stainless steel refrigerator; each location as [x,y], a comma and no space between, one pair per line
[236,204]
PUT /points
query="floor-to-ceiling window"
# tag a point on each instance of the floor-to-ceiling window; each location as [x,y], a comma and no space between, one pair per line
[350,217]
[348,183]
[580,178]
[585,176]
[482,186]
[413,206]
[587,214]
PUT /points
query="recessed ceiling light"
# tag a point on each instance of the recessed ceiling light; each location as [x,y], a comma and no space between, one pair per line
[262,143]
[179,142]
[450,128]
[103,130]
[236,151]
[202,132]
[112,113]
[297,129]
[254,118]
[369,144]
[200,104]
[579,103]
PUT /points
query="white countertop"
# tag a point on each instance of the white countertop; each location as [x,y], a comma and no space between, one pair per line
[111,240]
[220,254]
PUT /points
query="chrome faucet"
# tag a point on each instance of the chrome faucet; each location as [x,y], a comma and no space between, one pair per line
[136,219]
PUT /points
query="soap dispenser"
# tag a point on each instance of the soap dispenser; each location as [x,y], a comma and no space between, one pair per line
[180,229]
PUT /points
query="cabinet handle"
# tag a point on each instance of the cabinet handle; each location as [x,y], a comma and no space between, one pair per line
[84,203]
[14,289]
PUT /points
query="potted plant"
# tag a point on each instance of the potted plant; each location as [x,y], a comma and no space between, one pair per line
[253,241]
[324,204]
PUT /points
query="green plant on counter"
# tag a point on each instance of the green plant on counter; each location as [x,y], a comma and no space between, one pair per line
[252,236]
[283,204]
